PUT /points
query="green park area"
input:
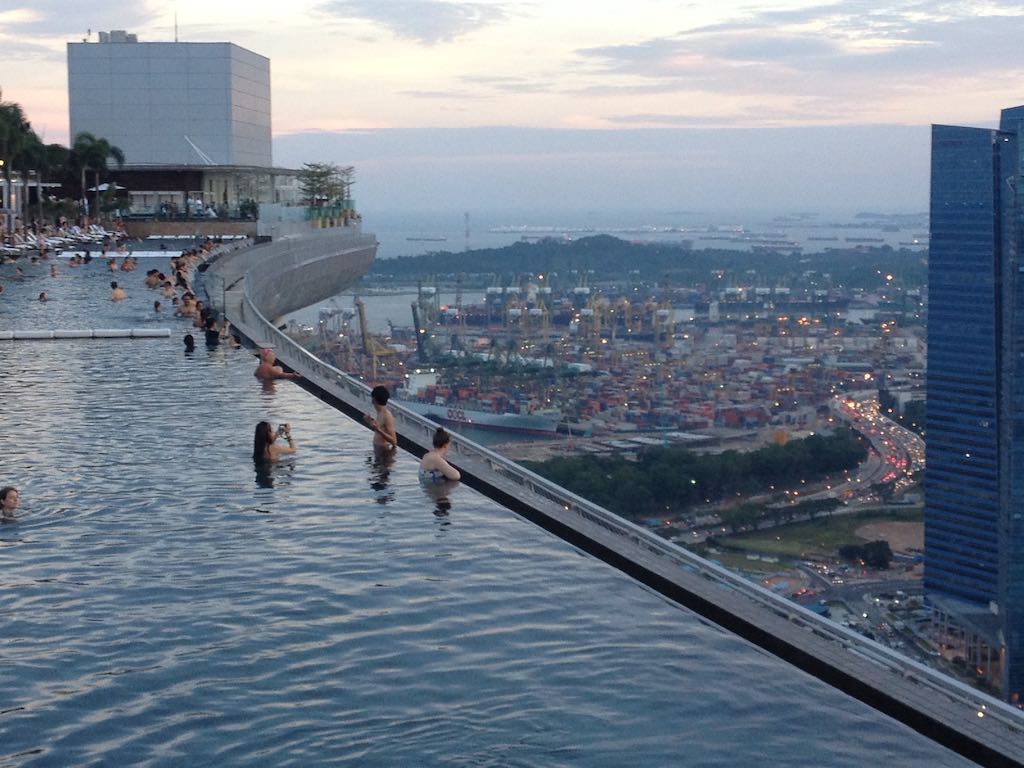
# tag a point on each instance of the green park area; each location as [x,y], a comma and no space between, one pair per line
[820,538]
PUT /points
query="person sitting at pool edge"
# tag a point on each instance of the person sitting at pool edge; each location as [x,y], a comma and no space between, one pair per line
[265,448]
[383,426]
[9,500]
[434,467]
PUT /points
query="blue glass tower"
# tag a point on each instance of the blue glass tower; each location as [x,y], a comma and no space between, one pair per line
[974,477]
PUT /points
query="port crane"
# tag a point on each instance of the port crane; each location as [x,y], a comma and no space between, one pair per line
[372,347]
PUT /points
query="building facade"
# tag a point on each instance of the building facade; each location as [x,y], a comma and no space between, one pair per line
[172,103]
[974,477]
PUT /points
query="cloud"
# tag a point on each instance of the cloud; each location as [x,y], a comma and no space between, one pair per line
[425,21]
[24,50]
[510,84]
[861,62]
[680,121]
[881,167]
[750,114]
[446,94]
[59,18]
[845,49]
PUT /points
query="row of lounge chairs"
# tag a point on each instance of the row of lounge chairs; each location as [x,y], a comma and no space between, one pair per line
[68,238]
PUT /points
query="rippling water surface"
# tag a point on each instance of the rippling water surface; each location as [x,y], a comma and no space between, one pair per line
[161,605]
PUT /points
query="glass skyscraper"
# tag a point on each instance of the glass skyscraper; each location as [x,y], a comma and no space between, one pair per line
[974,476]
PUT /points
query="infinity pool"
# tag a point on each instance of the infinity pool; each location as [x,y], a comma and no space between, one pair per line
[160,604]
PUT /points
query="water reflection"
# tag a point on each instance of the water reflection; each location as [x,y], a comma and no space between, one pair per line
[268,473]
[264,474]
[439,493]
[380,463]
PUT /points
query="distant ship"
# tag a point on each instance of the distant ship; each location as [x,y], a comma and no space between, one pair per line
[540,422]
[427,239]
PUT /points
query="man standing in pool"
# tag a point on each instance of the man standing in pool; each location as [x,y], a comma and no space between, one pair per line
[384,436]
[267,371]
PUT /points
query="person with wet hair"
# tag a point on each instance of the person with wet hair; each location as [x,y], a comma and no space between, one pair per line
[9,500]
[116,292]
[382,422]
[211,332]
[265,447]
[434,467]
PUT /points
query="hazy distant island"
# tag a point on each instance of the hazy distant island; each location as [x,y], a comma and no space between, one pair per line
[612,258]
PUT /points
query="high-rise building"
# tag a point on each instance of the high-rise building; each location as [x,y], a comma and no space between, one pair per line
[974,476]
[193,123]
[172,103]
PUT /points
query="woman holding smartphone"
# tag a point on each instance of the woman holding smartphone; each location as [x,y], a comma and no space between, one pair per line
[265,446]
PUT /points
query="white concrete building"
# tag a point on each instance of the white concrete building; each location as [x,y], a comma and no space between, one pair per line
[172,103]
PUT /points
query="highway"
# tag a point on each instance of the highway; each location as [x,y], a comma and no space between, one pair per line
[900,450]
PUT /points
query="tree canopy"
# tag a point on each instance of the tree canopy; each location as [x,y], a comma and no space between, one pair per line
[673,479]
[89,153]
[615,259]
[325,184]
[22,150]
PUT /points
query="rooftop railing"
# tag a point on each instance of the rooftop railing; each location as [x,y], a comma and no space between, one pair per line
[963,718]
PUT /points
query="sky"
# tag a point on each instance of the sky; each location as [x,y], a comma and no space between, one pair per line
[646,103]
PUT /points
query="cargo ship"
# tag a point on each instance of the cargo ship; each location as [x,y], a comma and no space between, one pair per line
[541,422]
[420,396]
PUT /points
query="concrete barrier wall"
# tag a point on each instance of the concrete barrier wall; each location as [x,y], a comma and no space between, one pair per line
[303,271]
[201,228]
[291,273]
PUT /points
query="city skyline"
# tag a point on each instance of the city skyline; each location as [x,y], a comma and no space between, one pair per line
[654,103]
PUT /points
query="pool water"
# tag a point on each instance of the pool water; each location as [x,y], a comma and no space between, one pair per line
[162,604]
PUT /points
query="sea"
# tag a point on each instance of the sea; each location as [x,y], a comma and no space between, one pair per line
[419,232]
[412,233]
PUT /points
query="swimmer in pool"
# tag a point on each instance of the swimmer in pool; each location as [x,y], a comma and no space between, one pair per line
[265,448]
[9,501]
[267,371]
[383,423]
[434,467]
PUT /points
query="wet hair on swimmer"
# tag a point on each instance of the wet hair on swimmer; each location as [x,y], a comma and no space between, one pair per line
[263,436]
[4,491]
[380,395]
[441,438]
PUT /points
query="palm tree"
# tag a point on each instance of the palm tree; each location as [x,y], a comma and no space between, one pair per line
[91,153]
[28,159]
[56,162]
[15,131]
